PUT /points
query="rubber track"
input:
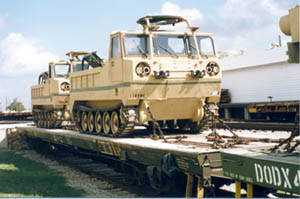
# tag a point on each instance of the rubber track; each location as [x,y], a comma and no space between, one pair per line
[125,129]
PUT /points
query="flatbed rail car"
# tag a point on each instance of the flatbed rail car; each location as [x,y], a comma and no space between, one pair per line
[146,151]
[285,111]
[277,171]
[15,116]
[193,155]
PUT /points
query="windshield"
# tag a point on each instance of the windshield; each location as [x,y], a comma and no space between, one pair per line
[169,45]
[136,45]
[205,45]
[62,70]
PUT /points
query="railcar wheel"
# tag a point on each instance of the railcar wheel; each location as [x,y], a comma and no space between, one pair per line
[83,121]
[114,122]
[98,122]
[90,122]
[106,123]
[139,176]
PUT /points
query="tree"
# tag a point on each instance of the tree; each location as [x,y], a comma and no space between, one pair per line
[16,106]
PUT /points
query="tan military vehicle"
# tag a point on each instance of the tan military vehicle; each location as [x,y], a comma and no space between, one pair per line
[169,75]
[50,97]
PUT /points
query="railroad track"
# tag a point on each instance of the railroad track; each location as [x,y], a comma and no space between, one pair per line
[15,122]
[258,125]
[104,168]
[98,166]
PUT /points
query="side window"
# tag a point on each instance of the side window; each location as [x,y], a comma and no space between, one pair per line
[80,67]
[51,71]
[116,51]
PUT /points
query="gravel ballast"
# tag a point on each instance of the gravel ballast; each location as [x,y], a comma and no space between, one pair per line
[93,187]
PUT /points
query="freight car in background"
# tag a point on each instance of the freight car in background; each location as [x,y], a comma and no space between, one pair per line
[260,86]
[264,85]
[15,115]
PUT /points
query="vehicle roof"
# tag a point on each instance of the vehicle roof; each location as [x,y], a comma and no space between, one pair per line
[163,32]
[63,62]
[161,20]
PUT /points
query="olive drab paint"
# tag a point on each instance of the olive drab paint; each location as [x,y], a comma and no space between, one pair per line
[265,170]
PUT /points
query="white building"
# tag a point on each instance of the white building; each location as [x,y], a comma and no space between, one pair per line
[253,77]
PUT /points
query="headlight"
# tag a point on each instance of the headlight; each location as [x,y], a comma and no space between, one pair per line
[142,69]
[212,68]
[139,70]
[65,86]
[147,70]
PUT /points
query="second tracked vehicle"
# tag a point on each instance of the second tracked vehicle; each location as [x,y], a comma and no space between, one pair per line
[150,74]
[51,96]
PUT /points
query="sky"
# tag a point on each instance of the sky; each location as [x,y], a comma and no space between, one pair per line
[35,32]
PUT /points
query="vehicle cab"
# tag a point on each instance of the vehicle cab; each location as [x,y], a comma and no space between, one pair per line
[158,55]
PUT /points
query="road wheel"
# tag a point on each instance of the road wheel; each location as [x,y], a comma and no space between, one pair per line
[115,122]
[83,121]
[106,123]
[38,118]
[35,118]
[78,114]
[44,120]
[98,122]
[91,122]
[48,119]
[41,119]
[52,119]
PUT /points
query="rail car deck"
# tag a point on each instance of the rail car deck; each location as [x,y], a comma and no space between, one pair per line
[190,153]
[189,157]
[193,154]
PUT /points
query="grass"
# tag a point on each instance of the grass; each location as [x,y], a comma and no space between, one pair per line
[21,177]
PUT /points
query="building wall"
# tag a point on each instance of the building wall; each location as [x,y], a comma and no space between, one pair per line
[255,84]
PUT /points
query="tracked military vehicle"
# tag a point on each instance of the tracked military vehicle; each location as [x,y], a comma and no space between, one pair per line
[150,74]
[50,97]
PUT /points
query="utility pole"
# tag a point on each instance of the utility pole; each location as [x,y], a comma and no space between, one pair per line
[279,38]
[6,103]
